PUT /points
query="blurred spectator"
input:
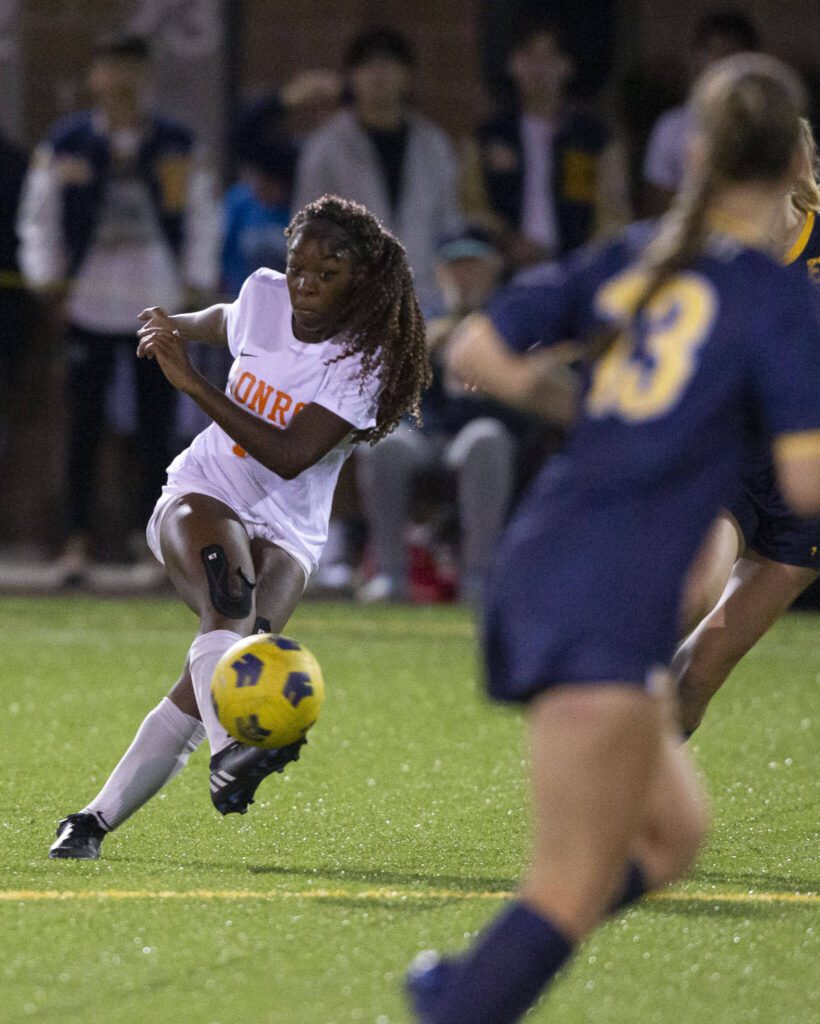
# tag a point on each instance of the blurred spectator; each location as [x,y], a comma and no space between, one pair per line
[310,99]
[716,36]
[13,322]
[551,174]
[644,92]
[302,106]
[118,213]
[469,436]
[383,154]
[256,212]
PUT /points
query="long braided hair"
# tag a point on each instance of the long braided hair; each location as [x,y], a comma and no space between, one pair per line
[747,110]
[382,322]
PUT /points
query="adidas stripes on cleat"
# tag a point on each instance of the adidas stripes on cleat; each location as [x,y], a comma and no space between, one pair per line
[78,838]
[237,771]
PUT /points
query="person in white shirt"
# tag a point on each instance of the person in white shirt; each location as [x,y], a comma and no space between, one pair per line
[716,36]
[551,176]
[331,353]
[119,207]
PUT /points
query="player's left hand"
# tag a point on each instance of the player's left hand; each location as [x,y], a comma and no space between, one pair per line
[170,351]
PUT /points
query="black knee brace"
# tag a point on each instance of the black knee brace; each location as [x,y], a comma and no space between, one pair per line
[235,601]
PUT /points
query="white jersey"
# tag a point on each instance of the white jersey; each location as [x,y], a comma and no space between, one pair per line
[273,376]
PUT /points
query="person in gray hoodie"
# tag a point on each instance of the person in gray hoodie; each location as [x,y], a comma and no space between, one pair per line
[380,152]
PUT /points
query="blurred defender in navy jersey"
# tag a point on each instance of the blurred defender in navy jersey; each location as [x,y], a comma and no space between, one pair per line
[759,557]
[584,602]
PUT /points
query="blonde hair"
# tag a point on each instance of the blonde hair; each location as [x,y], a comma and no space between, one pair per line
[805,191]
[747,110]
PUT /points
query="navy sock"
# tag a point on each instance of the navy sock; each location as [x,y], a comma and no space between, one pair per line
[634,887]
[505,971]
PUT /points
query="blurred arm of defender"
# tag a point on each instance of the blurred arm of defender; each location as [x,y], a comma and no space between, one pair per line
[787,386]
[539,381]
[798,475]
[516,351]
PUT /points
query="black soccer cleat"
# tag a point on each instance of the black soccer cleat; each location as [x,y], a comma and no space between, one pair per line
[237,771]
[78,838]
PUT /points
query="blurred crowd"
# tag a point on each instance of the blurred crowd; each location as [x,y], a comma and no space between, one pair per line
[118,209]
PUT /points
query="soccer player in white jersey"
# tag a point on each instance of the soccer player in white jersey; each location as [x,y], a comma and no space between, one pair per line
[331,353]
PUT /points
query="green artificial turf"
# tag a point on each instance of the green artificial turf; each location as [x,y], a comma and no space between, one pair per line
[401,828]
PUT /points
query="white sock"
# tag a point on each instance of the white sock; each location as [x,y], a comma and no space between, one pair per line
[205,652]
[159,751]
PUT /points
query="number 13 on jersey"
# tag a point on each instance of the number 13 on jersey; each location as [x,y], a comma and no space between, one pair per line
[642,376]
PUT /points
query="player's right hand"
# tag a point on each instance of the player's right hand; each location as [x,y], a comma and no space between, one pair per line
[154,319]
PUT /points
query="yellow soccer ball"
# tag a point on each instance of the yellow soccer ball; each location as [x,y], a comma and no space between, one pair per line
[267,690]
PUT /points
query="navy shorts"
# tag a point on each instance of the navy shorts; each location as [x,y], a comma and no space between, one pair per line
[588,595]
[768,525]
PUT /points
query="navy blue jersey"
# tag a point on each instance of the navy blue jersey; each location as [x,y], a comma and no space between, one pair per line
[590,571]
[768,525]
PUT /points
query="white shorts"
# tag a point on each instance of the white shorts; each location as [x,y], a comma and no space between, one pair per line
[184,481]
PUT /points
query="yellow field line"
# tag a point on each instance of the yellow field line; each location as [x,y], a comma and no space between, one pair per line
[387,895]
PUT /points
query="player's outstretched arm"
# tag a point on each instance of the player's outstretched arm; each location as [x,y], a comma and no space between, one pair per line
[797,458]
[206,325]
[538,381]
[307,438]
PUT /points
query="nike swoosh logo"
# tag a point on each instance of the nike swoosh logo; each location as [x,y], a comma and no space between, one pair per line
[248,355]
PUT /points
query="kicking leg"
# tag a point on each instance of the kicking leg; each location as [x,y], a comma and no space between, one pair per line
[207,555]
[237,770]
[172,731]
[193,527]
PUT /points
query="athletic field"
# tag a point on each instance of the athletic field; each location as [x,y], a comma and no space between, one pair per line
[403,827]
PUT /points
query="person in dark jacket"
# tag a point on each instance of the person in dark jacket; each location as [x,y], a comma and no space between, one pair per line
[117,210]
[551,174]
[14,324]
